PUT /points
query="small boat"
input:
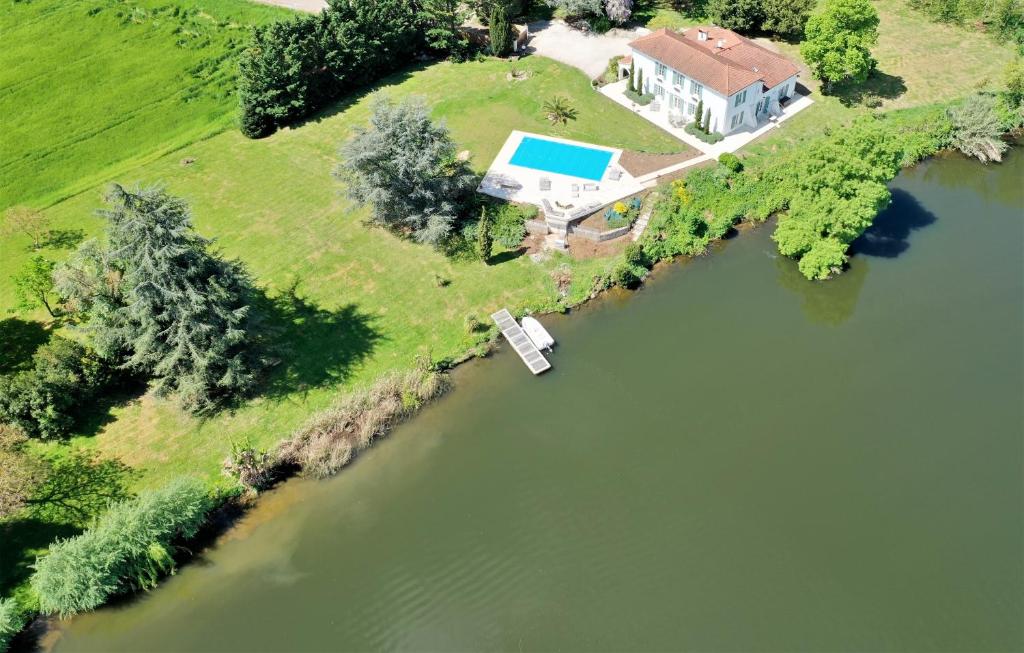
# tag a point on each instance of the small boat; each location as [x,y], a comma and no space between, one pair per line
[537,333]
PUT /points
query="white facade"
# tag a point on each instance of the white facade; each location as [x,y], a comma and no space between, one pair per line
[679,94]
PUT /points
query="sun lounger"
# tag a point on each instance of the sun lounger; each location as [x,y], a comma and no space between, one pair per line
[545,183]
[615,174]
[591,187]
[575,190]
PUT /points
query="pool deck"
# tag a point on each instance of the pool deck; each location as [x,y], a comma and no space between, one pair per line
[518,184]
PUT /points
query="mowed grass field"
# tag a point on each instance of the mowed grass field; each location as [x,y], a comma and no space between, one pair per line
[92,87]
[370,302]
[919,62]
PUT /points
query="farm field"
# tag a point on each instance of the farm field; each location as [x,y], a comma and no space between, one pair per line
[89,88]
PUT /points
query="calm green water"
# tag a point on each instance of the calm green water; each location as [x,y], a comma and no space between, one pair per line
[732,459]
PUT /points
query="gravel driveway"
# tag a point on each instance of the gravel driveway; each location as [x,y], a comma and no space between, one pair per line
[587,51]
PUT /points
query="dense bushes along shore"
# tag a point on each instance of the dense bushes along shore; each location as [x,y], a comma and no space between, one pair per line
[827,192]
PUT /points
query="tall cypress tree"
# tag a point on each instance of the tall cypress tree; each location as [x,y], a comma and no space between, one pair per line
[484,237]
[183,316]
[501,31]
[699,115]
[630,85]
[640,82]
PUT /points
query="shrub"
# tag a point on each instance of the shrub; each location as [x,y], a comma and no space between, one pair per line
[251,466]
[509,226]
[694,129]
[47,400]
[977,128]
[643,100]
[12,619]
[731,162]
[128,548]
[328,441]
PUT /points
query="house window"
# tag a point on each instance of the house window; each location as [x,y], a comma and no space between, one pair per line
[678,79]
[691,108]
[659,90]
[696,89]
[660,69]
[741,97]
[736,119]
[675,102]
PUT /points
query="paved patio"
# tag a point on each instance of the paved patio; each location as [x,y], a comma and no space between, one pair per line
[730,143]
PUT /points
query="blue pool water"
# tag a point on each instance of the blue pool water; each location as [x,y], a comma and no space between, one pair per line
[561,158]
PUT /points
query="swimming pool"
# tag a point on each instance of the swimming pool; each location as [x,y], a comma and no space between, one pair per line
[561,158]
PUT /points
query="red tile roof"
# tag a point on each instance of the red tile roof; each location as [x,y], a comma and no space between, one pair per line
[725,62]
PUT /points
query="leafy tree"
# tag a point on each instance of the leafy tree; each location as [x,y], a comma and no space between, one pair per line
[558,110]
[184,315]
[838,41]
[293,67]
[1011,99]
[45,401]
[500,32]
[484,8]
[618,11]
[32,223]
[442,20]
[23,472]
[33,285]
[404,166]
[484,237]
[977,128]
[574,8]
[786,17]
[739,15]
[129,547]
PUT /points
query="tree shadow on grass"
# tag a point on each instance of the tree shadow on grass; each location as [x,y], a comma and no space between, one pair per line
[19,339]
[313,346]
[878,85]
[21,540]
[889,235]
[506,256]
[63,238]
[346,102]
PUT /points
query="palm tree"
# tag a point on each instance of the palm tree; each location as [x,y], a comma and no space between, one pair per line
[559,111]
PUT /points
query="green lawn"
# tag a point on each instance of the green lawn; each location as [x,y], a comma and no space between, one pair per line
[89,88]
[371,303]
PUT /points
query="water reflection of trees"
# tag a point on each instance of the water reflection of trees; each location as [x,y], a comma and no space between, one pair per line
[829,302]
[959,172]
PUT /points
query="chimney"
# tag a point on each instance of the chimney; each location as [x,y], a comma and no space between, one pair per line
[702,35]
[720,44]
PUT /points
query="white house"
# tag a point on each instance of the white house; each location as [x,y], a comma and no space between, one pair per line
[741,83]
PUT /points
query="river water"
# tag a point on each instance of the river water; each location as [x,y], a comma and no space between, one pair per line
[731,459]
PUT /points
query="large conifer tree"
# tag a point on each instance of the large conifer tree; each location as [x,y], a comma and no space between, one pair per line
[183,315]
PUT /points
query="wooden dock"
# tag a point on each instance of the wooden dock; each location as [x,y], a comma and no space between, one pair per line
[521,342]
